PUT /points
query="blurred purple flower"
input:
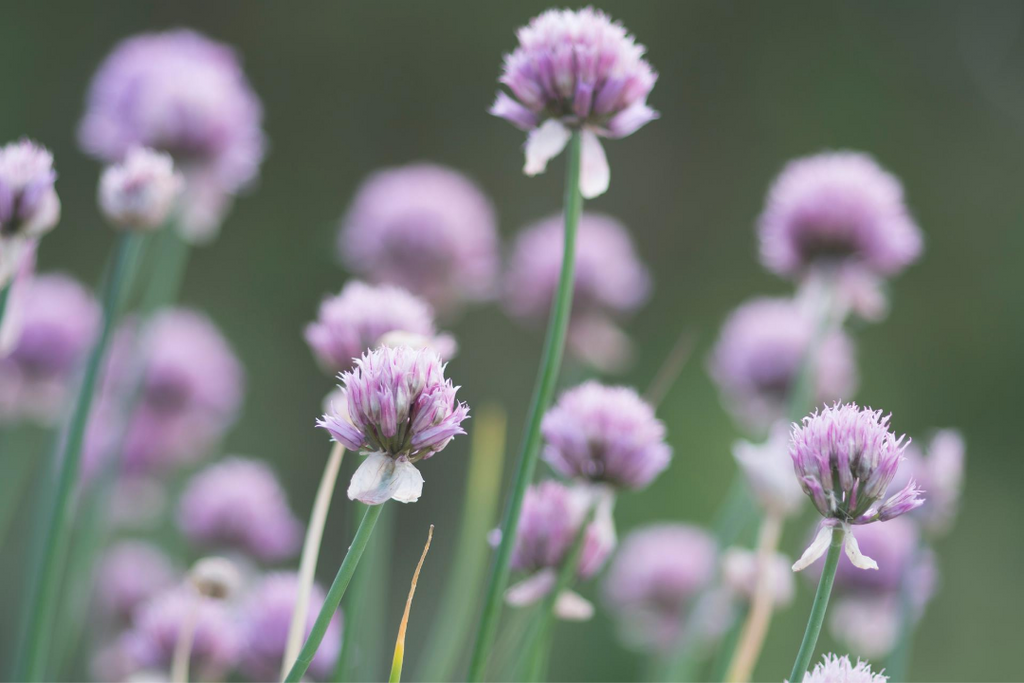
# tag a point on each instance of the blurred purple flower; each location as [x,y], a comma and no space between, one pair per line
[939,470]
[58,320]
[655,578]
[605,434]
[150,644]
[362,316]
[426,228]
[399,409]
[190,386]
[845,458]
[759,353]
[834,669]
[840,212]
[239,503]
[139,192]
[572,70]
[181,93]
[610,282]
[266,615]
[768,470]
[548,524]
[130,574]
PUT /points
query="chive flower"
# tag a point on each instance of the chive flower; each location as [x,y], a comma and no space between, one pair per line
[605,435]
[548,525]
[740,572]
[833,669]
[759,353]
[939,468]
[58,320]
[655,579]
[610,283]
[575,70]
[182,93]
[363,316]
[265,616]
[426,228]
[29,206]
[130,573]
[239,504]
[845,458]
[139,193]
[399,409]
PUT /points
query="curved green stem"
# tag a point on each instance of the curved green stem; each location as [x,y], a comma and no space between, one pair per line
[547,378]
[48,568]
[334,595]
[818,607]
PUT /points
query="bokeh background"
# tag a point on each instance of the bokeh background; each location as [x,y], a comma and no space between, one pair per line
[934,89]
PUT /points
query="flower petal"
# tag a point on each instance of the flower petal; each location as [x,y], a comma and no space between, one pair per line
[853,552]
[543,144]
[532,588]
[594,171]
[571,606]
[816,549]
[380,478]
[513,112]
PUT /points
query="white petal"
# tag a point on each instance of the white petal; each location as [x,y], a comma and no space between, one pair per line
[408,482]
[853,552]
[816,549]
[594,171]
[570,606]
[372,479]
[544,144]
[531,589]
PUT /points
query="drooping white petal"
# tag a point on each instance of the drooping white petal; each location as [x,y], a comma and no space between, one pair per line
[380,478]
[543,144]
[571,606]
[408,482]
[852,549]
[532,588]
[594,171]
[816,549]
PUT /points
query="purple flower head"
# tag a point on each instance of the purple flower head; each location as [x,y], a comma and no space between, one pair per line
[940,471]
[58,320]
[845,458]
[550,520]
[834,669]
[575,70]
[29,207]
[239,503]
[131,573]
[610,282]
[191,389]
[760,351]
[362,316]
[740,574]
[607,435]
[181,93]
[157,626]
[426,228]
[399,409]
[266,616]
[139,192]
[837,208]
[654,579]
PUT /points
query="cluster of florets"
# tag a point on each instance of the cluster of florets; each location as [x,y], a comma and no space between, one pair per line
[140,192]
[29,206]
[398,409]
[605,435]
[364,316]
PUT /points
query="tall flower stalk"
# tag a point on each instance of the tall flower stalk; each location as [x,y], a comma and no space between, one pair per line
[544,390]
[310,554]
[47,569]
[828,576]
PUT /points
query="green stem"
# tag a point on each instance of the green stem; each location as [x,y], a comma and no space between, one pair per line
[334,595]
[479,511]
[818,607]
[547,378]
[48,569]
[169,267]
[5,292]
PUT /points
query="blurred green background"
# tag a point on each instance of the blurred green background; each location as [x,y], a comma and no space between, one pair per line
[934,89]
